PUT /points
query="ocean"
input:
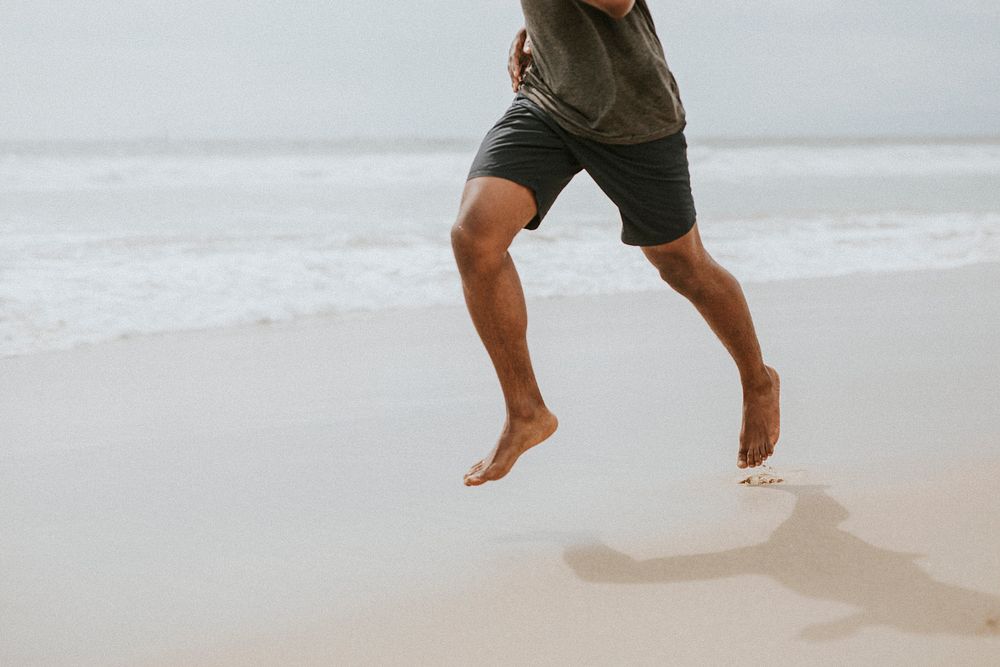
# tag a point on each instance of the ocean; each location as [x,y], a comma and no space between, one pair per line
[108,240]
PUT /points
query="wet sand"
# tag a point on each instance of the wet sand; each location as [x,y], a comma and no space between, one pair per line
[292,494]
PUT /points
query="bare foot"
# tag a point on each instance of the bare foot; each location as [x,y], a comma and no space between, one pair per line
[761,423]
[518,437]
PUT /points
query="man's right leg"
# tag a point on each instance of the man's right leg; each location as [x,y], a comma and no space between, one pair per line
[492,212]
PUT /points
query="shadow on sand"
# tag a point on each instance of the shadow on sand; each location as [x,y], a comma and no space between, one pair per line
[811,556]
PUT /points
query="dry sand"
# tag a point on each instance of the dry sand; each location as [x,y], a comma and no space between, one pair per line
[292,494]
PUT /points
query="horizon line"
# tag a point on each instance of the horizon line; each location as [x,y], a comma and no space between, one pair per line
[404,142]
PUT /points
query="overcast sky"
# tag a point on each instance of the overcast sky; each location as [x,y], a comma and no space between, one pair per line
[429,68]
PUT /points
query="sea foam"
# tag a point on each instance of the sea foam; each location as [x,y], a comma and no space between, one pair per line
[96,245]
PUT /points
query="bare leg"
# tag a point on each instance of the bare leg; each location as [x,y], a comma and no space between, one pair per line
[492,212]
[689,269]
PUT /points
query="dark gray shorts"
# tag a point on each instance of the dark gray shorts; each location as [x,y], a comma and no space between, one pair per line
[649,182]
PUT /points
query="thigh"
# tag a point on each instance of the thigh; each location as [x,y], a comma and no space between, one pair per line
[524,149]
[648,182]
[494,210]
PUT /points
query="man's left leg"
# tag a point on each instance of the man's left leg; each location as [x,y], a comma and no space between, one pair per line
[687,267]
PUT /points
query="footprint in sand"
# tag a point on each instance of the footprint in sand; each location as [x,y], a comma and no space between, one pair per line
[762,478]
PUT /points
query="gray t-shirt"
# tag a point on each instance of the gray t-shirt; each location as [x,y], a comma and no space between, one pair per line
[600,78]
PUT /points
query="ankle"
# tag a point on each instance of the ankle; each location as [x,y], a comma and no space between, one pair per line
[526,413]
[759,382]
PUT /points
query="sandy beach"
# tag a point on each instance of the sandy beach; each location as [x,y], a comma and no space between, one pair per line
[291,494]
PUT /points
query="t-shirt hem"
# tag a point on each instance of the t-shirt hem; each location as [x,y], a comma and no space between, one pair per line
[597,136]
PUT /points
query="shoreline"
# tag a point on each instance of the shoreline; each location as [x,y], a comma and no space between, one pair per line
[319,319]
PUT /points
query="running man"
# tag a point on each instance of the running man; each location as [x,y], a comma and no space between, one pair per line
[593,91]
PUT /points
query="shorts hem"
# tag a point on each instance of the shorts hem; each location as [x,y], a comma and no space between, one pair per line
[650,240]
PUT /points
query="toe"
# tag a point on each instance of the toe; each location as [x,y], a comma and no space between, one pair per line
[473,480]
[481,476]
[741,462]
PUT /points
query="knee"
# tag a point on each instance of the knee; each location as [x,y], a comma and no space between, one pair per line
[685,272]
[473,249]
